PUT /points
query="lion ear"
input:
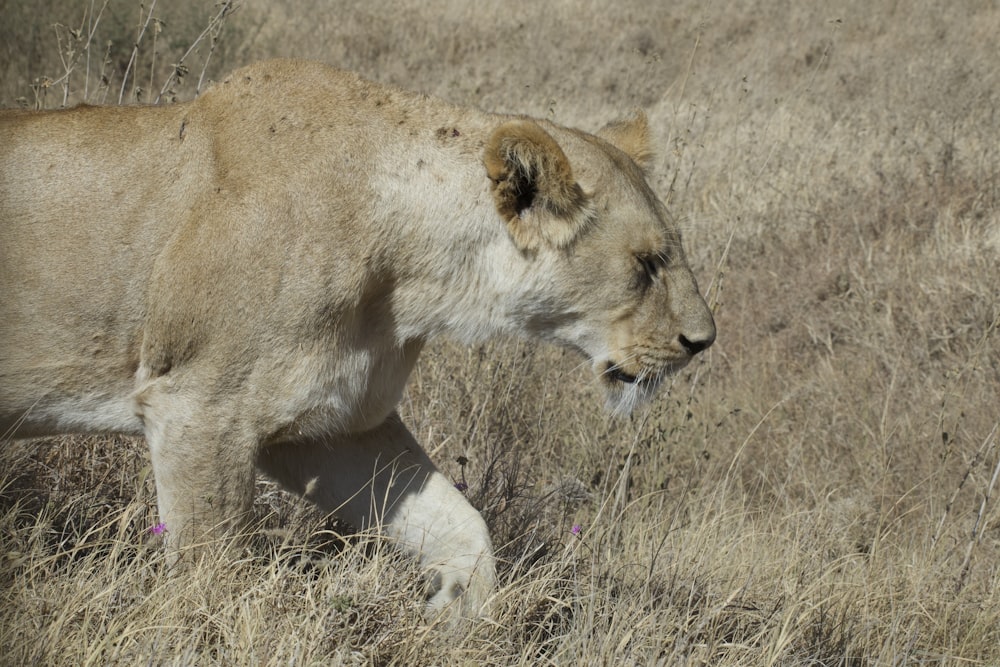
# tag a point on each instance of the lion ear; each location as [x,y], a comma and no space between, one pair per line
[632,137]
[533,186]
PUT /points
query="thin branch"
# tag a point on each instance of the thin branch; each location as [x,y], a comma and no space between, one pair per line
[978,527]
[135,48]
[94,22]
[179,70]
[977,457]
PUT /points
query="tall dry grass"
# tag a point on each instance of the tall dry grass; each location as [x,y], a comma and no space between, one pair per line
[819,489]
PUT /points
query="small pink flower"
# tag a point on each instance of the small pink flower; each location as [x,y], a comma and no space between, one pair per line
[576,529]
[158,528]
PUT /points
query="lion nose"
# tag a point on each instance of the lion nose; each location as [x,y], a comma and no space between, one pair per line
[697,344]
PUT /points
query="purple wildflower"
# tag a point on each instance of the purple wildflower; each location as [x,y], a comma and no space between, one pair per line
[576,529]
[158,528]
[462,486]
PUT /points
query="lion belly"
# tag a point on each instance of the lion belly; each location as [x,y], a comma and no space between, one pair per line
[92,413]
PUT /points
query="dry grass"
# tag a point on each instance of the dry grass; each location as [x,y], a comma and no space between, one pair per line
[820,489]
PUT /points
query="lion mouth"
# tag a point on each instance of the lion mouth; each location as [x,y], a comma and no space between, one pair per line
[615,374]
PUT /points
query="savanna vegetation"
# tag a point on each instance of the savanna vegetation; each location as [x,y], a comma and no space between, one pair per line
[820,488]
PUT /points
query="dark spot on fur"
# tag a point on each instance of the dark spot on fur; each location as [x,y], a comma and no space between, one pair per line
[446,132]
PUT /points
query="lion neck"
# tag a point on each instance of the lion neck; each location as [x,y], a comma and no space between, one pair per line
[457,272]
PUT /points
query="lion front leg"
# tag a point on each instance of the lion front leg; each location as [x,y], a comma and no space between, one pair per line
[383,478]
[203,468]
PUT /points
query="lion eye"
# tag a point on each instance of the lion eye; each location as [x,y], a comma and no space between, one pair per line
[650,266]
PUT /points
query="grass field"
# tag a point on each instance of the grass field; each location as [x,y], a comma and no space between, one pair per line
[821,488]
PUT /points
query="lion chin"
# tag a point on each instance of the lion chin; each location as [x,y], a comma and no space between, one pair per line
[625,393]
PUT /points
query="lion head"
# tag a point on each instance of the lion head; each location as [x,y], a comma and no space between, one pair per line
[613,279]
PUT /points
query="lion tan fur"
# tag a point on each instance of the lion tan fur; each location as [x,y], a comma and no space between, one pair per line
[247,280]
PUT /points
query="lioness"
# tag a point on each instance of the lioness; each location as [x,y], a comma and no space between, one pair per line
[247,280]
